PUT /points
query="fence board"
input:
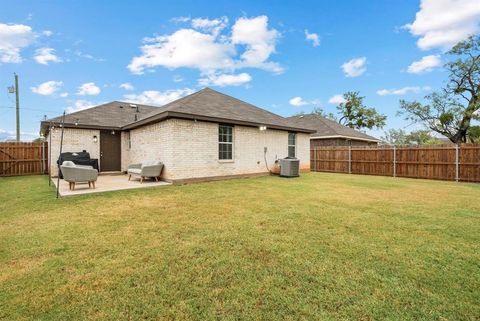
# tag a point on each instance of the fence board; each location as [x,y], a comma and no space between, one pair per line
[430,162]
[23,158]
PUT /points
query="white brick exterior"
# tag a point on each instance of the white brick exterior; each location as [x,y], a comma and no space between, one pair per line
[74,140]
[189,149]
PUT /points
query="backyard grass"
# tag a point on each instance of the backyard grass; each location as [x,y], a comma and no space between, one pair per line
[320,247]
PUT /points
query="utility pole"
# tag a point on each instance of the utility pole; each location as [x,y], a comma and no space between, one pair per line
[17,107]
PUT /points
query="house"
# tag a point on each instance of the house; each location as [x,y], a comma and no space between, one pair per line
[205,135]
[330,133]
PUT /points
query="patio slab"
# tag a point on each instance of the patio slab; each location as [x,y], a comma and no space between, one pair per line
[106,183]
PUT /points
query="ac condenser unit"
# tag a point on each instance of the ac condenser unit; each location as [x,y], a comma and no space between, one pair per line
[289,167]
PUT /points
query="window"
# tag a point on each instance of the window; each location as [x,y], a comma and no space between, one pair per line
[225,142]
[292,142]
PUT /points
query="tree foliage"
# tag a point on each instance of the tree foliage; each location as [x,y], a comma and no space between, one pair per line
[354,114]
[451,111]
[417,137]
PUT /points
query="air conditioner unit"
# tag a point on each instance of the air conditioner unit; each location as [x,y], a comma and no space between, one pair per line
[289,167]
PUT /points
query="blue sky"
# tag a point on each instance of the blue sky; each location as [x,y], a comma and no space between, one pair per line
[280,55]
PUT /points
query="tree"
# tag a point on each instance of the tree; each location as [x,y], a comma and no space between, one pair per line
[417,137]
[451,112]
[319,111]
[354,114]
[395,137]
[474,134]
[422,137]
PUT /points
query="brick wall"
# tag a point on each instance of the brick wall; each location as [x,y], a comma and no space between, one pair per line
[190,149]
[125,150]
[74,140]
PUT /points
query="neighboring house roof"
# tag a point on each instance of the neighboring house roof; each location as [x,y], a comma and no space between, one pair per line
[206,104]
[326,128]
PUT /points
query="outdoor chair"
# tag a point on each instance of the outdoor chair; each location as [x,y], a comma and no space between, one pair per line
[145,169]
[73,173]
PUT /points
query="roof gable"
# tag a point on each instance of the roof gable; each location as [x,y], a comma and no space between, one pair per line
[210,104]
[206,104]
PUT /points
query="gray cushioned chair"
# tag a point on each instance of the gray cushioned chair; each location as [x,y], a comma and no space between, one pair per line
[73,173]
[145,169]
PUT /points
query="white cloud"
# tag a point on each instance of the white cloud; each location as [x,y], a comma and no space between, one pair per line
[127,86]
[225,80]
[13,38]
[402,91]
[214,26]
[313,37]
[297,101]
[12,134]
[88,89]
[159,98]
[443,23]
[45,55]
[47,33]
[80,105]
[184,48]
[336,99]
[81,54]
[205,49]
[180,19]
[177,78]
[260,43]
[47,88]
[63,95]
[355,67]
[426,64]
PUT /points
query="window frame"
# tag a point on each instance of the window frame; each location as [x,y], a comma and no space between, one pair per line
[294,144]
[219,143]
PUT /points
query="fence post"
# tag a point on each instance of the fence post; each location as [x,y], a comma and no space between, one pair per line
[314,159]
[394,161]
[456,163]
[42,161]
[349,158]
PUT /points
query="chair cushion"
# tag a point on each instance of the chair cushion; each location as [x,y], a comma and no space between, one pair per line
[135,170]
[68,163]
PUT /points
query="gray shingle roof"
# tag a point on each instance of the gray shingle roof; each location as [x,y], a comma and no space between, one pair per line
[327,128]
[113,115]
[206,104]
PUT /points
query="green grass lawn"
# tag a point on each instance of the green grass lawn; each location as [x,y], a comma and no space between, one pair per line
[320,247]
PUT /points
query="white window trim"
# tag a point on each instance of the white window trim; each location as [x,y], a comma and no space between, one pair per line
[294,146]
[232,143]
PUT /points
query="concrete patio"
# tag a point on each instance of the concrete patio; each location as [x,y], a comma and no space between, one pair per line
[107,183]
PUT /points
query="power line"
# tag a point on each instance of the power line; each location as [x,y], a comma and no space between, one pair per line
[26,108]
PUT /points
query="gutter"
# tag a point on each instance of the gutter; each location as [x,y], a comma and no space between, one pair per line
[347,137]
[171,114]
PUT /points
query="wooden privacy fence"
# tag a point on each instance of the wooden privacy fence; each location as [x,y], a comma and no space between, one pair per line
[444,162]
[23,158]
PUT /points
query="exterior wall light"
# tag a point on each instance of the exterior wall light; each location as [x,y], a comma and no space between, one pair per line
[113,132]
[95,139]
[262,128]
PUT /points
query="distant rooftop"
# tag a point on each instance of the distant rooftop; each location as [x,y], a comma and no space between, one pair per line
[326,128]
